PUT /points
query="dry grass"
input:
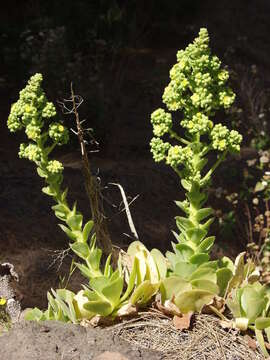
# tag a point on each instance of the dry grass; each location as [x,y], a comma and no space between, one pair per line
[206,340]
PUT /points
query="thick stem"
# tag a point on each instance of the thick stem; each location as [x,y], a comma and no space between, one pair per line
[177,137]
[213,168]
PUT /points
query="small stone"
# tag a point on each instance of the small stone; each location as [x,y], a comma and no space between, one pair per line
[108,355]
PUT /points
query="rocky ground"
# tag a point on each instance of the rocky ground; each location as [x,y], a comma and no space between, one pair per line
[58,341]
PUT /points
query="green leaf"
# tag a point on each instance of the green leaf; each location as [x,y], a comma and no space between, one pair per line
[42,173]
[204,273]
[207,224]
[172,286]
[47,190]
[193,300]
[204,284]
[67,296]
[199,259]
[203,213]
[79,300]
[99,306]
[132,279]
[94,258]
[52,302]
[68,232]
[80,249]
[143,293]
[184,269]
[61,208]
[186,184]
[185,251]
[89,273]
[60,215]
[196,235]
[99,283]
[262,323]
[183,224]
[267,332]
[34,315]
[252,303]
[64,299]
[224,275]
[234,304]
[160,262]
[64,195]
[113,291]
[210,264]
[239,270]
[260,339]
[107,268]
[75,221]
[226,262]
[87,229]
[183,206]
[172,258]
[135,247]
[206,244]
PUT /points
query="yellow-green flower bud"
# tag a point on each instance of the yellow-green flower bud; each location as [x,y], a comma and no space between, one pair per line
[49,110]
[162,122]
[31,152]
[55,167]
[159,149]
[33,131]
[58,133]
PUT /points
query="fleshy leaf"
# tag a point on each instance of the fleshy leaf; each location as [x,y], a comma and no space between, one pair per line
[143,293]
[80,249]
[160,261]
[172,286]
[205,285]
[193,300]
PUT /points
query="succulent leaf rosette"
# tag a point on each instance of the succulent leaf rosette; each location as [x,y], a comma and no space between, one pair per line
[197,89]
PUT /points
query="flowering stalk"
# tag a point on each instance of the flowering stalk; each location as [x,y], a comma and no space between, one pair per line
[198,88]
[34,113]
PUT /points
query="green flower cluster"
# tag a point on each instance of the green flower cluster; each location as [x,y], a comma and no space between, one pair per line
[55,167]
[159,149]
[58,133]
[31,152]
[223,139]
[29,107]
[49,111]
[33,131]
[162,122]
[31,110]
[198,88]
[183,156]
[197,81]
[199,123]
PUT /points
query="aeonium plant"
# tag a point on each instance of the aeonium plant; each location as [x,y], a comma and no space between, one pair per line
[106,293]
[197,90]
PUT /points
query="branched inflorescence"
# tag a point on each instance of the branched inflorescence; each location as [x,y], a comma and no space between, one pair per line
[34,113]
[197,89]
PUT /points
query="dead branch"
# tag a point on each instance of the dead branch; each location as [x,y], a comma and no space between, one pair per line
[92,185]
